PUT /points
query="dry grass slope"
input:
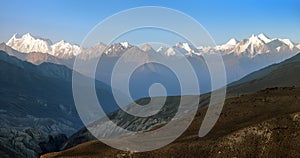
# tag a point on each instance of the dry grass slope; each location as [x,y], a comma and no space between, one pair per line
[263,124]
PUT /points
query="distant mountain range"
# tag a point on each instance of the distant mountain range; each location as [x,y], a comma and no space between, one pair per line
[36,57]
[240,58]
[251,47]
[36,102]
[256,45]
[28,43]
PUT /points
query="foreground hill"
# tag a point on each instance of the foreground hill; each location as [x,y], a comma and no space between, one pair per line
[263,124]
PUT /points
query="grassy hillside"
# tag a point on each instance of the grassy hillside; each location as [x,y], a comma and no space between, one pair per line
[263,124]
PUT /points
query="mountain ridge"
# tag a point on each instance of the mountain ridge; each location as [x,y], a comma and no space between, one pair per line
[240,58]
[255,44]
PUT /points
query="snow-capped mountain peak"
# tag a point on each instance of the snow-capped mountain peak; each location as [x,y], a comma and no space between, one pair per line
[264,38]
[251,46]
[232,41]
[256,44]
[171,52]
[185,46]
[146,47]
[255,40]
[28,36]
[288,42]
[229,45]
[125,44]
[63,48]
[190,50]
[28,43]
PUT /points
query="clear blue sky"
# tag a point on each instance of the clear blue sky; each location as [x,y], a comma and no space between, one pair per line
[71,20]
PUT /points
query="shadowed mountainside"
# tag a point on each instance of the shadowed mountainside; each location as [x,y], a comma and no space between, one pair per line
[36,106]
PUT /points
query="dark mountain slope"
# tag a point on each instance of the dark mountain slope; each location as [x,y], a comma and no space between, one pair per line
[27,89]
[36,101]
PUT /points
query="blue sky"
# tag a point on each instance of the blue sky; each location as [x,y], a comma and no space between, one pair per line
[71,20]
